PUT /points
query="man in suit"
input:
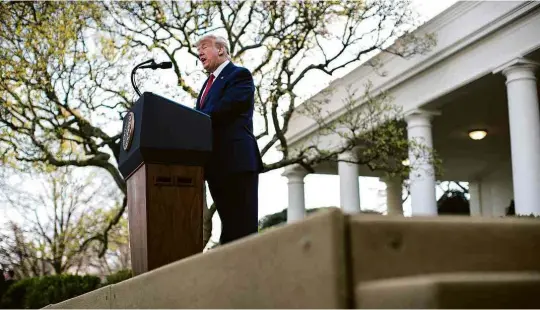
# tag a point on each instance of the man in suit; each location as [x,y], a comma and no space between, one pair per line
[232,172]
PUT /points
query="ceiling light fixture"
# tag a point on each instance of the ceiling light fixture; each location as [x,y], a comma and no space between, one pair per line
[478,134]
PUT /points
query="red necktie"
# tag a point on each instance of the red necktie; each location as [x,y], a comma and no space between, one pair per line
[208,85]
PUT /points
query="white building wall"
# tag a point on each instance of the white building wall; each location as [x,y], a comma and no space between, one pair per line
[496,191]
[472,40]
[475,200]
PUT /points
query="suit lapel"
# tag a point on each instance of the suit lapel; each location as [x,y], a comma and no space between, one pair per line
[217,85]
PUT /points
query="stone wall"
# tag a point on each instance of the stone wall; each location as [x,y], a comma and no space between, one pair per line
[330,260]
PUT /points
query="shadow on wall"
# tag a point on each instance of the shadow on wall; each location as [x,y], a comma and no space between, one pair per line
[511,211]
[453,202]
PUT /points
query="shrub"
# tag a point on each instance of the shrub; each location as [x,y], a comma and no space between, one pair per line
[13,297]
[511,212]
[119,276]
[33,293]
[526,216]
[279,218]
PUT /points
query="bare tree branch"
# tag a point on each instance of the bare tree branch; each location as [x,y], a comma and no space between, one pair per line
[61,103]
[57,219]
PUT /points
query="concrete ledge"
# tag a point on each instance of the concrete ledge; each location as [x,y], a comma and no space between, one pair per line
[98,299]
[301,265]
[390,247]
[331,260]
[512,290]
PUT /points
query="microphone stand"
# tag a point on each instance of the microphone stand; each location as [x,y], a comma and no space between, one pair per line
[152,65]
[133,75]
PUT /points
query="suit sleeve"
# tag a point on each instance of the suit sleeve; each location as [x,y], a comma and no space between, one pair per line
[237,98]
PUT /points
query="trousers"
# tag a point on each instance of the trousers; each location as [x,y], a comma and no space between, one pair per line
[236,199]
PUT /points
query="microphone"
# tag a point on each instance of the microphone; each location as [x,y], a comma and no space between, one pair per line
[154,66]
[148,64]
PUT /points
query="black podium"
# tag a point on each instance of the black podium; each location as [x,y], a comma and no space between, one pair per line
[164,147]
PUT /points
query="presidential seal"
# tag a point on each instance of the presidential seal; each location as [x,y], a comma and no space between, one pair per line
[127,132]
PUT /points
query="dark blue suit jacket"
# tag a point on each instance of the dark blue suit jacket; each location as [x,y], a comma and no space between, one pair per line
[230,105]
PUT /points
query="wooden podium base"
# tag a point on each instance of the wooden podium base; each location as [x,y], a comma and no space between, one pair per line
[165,214]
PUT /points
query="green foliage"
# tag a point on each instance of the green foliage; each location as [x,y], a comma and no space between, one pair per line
[372,127]
[43,62]
[55,101]
[279,218]
[34,293]
[511,211]
[532,216]
[119,276]
[59,99]
[273,219]
[13,297]
[285,44]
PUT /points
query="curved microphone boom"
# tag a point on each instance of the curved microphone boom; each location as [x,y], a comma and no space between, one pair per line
[148,64]
[154,66]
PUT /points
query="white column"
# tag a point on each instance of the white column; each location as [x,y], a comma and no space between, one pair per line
[394,190]
[524,119]
[422,173]
[475,201]
[296,209]
[349,185]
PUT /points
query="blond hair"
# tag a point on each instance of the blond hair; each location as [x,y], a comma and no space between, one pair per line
[219,41]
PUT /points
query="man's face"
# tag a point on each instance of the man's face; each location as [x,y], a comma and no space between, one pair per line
[209,55]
